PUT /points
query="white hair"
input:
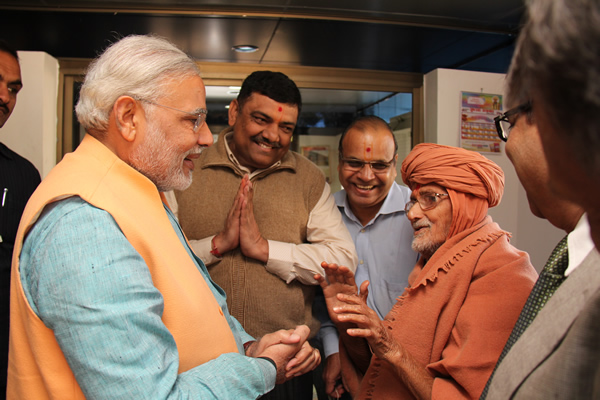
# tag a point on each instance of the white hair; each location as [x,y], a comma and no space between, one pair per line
[138,66]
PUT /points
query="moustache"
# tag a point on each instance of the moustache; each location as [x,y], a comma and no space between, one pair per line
[262,140]
[4,107]
[196,150]
[418,225]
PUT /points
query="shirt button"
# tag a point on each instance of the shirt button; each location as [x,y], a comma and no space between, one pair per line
[361,262]
[362,231]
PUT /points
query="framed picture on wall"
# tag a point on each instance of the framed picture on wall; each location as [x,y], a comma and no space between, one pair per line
[319,155]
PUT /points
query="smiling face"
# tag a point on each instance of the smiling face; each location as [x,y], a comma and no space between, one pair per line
[432,226]
[170,144]
[10,84]
[262,130]
[367,189]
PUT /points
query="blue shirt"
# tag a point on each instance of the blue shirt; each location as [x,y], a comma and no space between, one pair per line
[385,256]
[89,285]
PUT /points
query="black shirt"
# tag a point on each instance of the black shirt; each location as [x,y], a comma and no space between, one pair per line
[18,180]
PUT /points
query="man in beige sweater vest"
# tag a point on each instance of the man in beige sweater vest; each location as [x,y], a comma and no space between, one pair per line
[262,218]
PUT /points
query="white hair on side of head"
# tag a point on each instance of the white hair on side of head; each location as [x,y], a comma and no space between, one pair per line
[137,66]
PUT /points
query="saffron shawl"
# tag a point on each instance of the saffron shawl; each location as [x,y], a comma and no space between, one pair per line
[455,317]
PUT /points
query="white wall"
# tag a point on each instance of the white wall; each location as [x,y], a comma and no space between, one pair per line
[31,130]
[442,125]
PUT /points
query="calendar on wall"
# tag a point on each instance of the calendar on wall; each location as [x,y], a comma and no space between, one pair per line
[477,129]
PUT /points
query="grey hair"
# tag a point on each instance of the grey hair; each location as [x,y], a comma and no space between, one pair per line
[557,59]
[139,66]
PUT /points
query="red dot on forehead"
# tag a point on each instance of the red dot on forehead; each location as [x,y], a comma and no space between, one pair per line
[368,149]
[280,109]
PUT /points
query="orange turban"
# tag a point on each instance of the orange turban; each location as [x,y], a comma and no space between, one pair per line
[454,168]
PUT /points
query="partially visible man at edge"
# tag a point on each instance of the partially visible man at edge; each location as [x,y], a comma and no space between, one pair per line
[108,300]
[444,335]
[18,180]
[553,82]
[372,207]
[262,217]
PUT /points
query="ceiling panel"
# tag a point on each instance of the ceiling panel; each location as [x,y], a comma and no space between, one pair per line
[290,41]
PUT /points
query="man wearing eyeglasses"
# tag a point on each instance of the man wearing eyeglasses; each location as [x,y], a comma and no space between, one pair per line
[555,71]
[372,207]
[108,301]
[262,217]
[445,333]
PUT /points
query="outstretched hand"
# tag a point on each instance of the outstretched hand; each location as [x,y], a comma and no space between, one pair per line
[340,280]
[365,323]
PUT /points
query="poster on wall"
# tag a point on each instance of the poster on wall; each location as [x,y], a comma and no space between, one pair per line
[477,129]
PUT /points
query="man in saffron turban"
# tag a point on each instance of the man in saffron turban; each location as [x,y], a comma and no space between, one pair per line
[446,331]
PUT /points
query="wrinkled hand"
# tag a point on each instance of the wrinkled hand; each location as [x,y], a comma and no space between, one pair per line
[366,324]
[340,280]
[332,375]
[290,351]
[307,359]
[252,244]
[229,238]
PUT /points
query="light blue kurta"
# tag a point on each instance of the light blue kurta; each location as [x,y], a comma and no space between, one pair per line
[90,286]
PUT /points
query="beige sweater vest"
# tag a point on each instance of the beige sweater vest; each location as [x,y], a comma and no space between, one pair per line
[283,199]
[37,367]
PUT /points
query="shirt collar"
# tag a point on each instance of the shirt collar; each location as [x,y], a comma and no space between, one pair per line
[579,243]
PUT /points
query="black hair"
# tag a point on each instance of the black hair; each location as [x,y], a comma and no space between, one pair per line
[274,85]
[5,47]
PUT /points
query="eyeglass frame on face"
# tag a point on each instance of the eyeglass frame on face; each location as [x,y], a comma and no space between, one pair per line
[408,206]
[385,165]
[200,115]
[525,107]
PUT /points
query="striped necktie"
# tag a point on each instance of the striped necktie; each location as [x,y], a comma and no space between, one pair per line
[549,280]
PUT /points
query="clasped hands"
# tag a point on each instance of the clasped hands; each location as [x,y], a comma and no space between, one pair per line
[290,351]
[241,229]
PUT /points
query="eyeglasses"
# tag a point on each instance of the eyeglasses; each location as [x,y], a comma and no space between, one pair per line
[200,114]
[503,122]
[352,164]
[427,201]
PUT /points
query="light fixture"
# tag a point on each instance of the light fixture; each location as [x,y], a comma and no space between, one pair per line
[245,48]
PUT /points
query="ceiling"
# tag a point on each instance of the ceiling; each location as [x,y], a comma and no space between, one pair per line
[393,35]
[406,36]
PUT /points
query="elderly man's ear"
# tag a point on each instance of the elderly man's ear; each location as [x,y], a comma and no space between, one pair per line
[128,115]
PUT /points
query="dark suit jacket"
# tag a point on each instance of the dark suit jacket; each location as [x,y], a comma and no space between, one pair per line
[558,356]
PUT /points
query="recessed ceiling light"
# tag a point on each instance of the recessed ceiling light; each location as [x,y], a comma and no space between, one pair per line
[245,48]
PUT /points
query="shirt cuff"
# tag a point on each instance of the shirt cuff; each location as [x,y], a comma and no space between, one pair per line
[269,370]
[330,339]
[280,260]
[202,248]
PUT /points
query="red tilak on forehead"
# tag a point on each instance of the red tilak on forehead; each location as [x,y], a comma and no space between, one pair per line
[368,149]
[280,109]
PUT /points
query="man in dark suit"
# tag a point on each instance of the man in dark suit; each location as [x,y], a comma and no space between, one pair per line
[554,90]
